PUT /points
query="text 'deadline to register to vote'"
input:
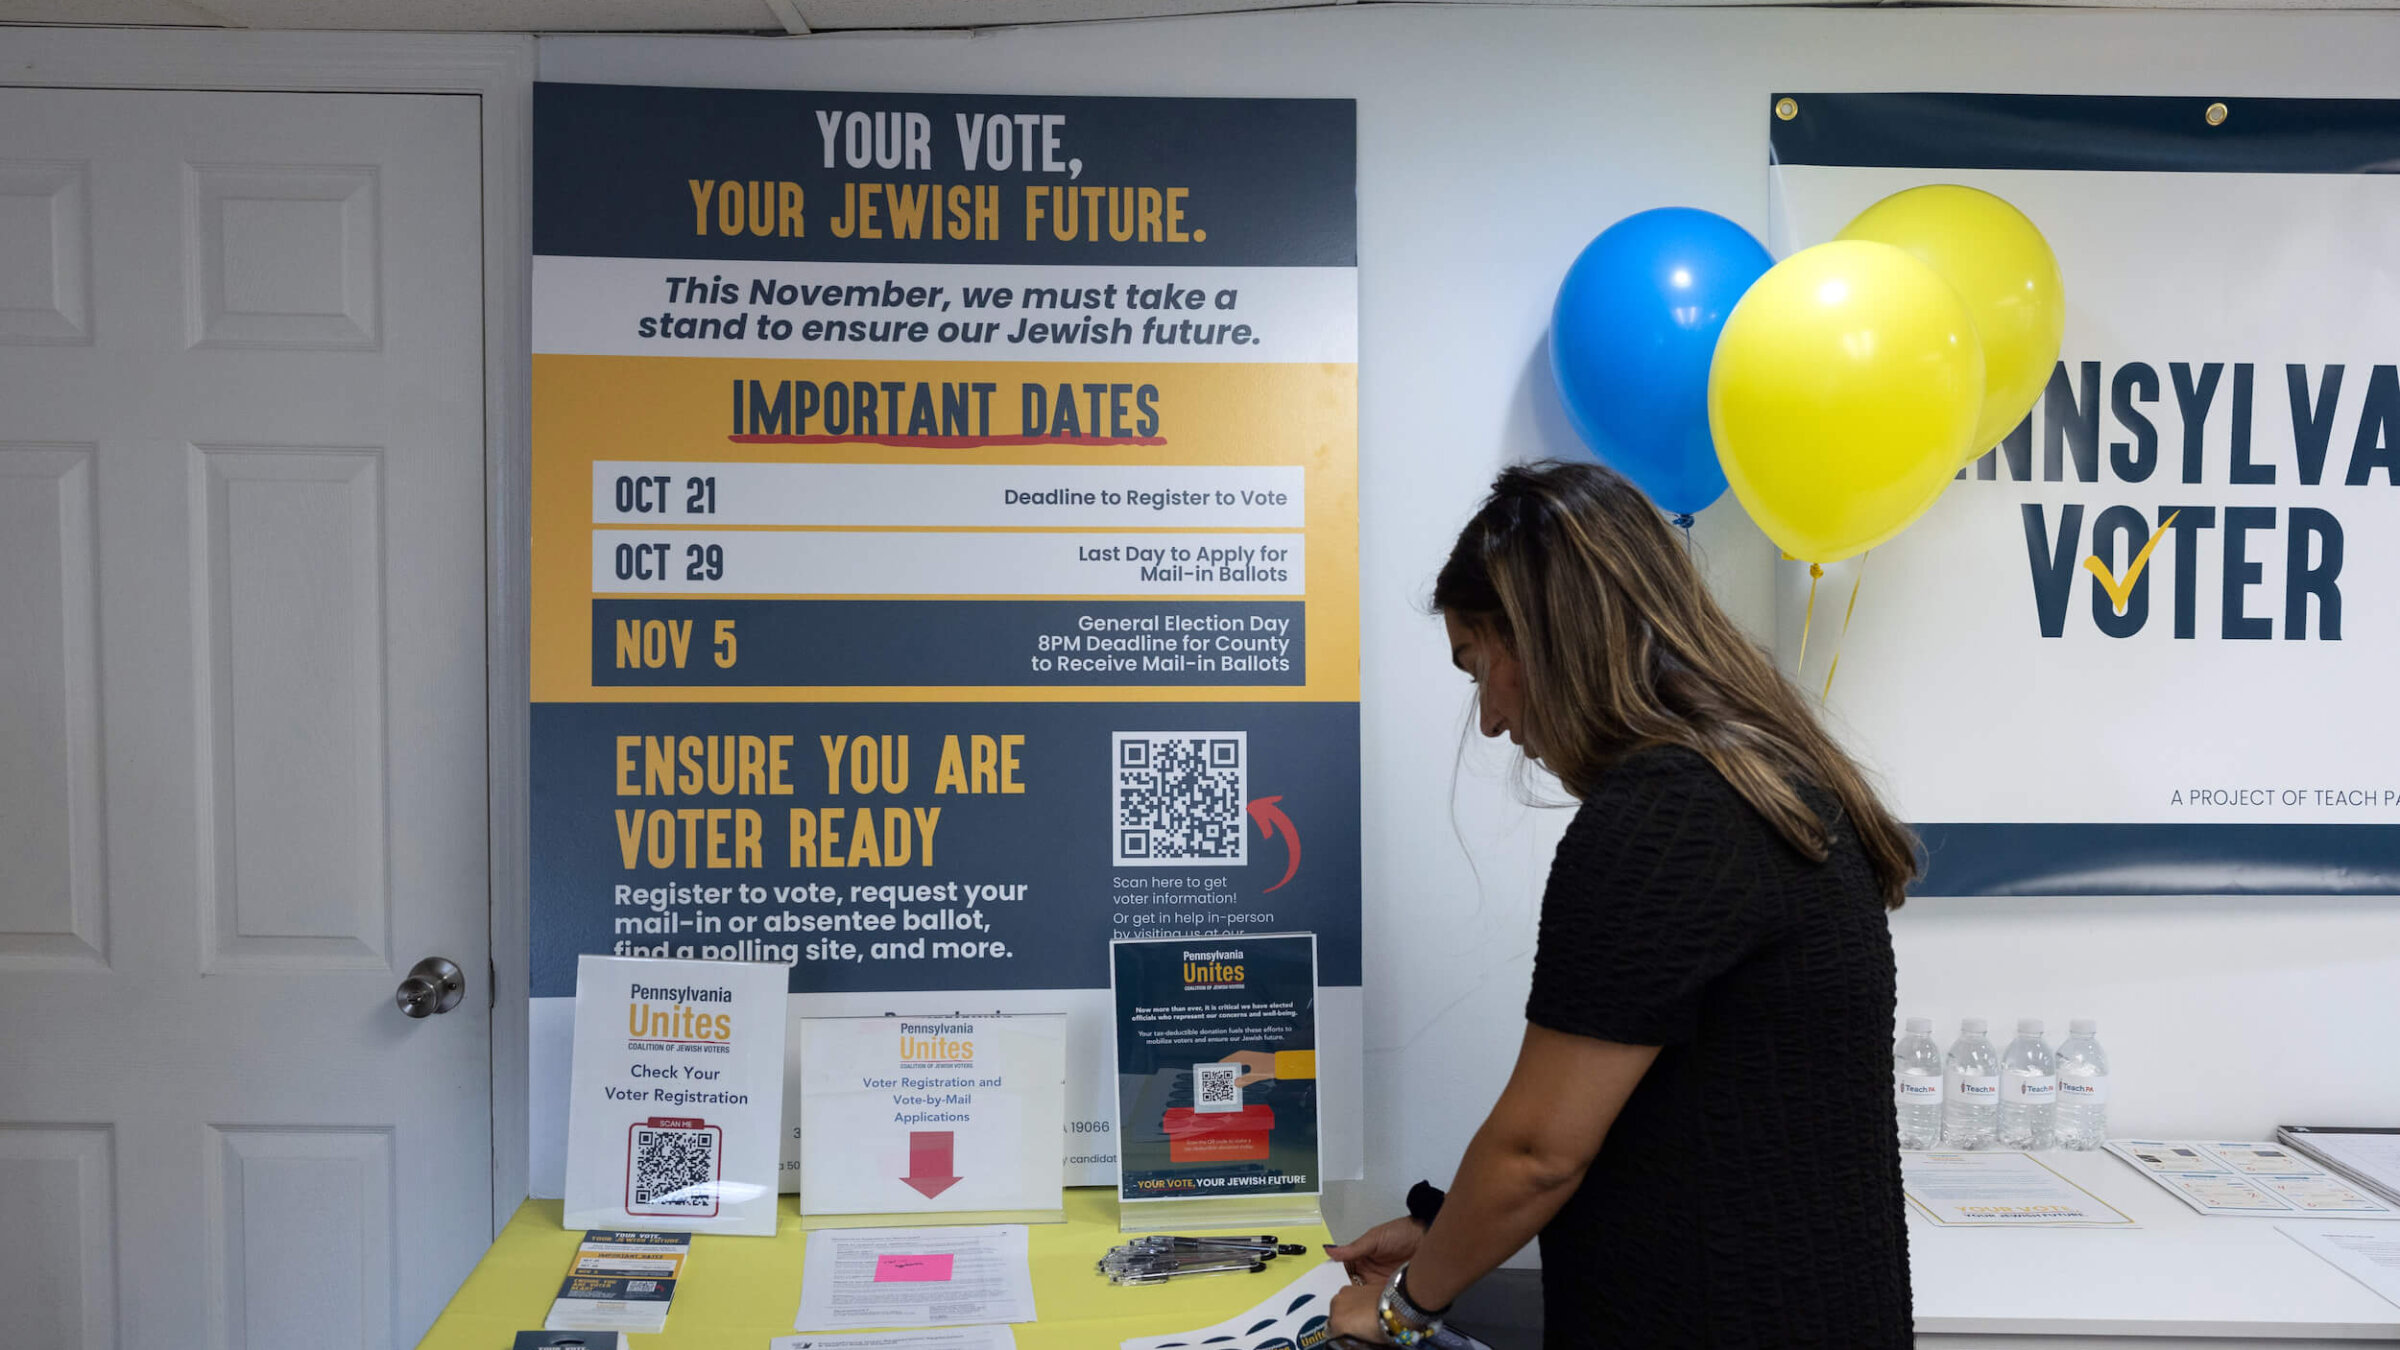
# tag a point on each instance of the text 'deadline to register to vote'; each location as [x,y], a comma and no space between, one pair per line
[959,496]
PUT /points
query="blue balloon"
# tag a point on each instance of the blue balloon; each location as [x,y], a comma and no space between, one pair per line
[1631,338]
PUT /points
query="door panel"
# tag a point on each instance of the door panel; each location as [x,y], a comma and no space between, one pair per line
[241,714]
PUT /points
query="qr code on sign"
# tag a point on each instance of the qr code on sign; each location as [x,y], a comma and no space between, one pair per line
[1177,797]
[1216,1087]
[673,1169]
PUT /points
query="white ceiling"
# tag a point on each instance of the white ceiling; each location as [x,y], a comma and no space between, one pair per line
[780,16]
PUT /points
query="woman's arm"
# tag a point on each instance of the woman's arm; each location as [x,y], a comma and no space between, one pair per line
[1522,1165]
[1528,1158]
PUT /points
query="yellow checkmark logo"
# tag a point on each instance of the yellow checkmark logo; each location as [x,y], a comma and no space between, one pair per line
[2122,591]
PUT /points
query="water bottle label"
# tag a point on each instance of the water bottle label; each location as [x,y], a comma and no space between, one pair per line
[1911,1090]
[2032,1089]
[1981,1089]
[2083,1091]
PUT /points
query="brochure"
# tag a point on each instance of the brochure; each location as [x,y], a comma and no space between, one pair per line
[1216,1067]
[2000,1190]
[2249,1178]
[677,1095]
[620,1281]
[569,1340]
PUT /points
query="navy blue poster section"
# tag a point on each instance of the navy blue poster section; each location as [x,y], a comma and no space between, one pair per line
[614,178]
[2123,134]
[989,882]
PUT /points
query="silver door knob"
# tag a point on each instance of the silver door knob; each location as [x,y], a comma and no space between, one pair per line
[433,986]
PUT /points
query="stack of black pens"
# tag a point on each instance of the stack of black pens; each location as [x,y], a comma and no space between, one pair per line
[1162,1257]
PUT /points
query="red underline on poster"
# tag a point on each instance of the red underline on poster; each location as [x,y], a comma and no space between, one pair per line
[944,442]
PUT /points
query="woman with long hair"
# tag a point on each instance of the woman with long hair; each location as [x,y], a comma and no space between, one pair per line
[1699,1126]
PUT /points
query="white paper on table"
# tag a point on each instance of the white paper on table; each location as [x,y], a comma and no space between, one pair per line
[943,1338]
[2247,1179]
[2372,1258]
[862,1279]
[2000,1190]
[1282,1319]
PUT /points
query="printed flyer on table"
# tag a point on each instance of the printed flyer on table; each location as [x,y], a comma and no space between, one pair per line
[944,552]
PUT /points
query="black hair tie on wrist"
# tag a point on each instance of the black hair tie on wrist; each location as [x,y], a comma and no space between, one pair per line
[1424,1202]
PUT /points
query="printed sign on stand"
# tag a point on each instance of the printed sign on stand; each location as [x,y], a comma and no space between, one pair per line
[915,1115]
[677,1095]
[1216,1067]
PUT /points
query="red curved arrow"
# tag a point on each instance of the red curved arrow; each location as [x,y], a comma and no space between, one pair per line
[1271,818]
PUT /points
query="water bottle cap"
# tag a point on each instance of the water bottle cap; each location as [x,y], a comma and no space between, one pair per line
[2029,1026]
[1920,1026]
[2083,1026]
[1973,1026]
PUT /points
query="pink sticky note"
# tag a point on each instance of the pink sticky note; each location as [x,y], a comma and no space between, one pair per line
[912,1269]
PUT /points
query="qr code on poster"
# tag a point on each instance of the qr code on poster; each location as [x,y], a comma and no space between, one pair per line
[673,1169]
[1216,1087]
[1178,797]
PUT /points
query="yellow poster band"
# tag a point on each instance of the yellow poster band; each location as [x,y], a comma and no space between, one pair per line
[1295,1064]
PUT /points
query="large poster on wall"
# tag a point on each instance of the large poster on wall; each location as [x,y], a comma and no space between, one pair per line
[2146,644]
[944,552]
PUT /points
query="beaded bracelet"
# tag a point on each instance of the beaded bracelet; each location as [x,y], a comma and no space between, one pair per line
[1403,1321]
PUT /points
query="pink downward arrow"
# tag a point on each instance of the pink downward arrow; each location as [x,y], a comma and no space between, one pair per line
[930,1155]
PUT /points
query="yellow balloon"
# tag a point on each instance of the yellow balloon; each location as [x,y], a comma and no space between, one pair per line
[1842,395]
[2001,266]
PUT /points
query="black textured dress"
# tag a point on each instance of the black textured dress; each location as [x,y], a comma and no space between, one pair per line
[1749,1193]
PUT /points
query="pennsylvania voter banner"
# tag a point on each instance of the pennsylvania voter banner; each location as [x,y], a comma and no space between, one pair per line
[944,552]
[2220,443]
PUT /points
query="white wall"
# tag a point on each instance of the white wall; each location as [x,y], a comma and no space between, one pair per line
[1493,143]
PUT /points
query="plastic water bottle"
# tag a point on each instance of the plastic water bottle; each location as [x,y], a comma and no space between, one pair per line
[1971,1095]
[1917,1085]
[2082,1087]
[2028,1089]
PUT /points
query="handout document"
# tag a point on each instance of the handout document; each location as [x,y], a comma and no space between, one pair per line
[942,1338]
[2000,1190]
[2372,1258]
[2217,1176]
[859,1279]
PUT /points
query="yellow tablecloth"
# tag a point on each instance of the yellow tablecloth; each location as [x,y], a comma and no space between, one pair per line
[739,1291]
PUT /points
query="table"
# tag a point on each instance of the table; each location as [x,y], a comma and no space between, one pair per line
[2181,1274]
[740,1291]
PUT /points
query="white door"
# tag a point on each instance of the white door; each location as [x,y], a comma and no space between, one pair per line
[241,717]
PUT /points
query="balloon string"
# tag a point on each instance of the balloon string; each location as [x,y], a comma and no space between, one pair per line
[1847,615]
[1809,619]
[1683,522]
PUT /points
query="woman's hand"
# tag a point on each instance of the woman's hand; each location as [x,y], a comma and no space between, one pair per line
[1257,1066]
[1354,1312]
[1379,1251]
